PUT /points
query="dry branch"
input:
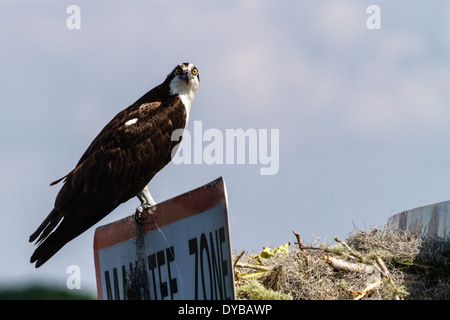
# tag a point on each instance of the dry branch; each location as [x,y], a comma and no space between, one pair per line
[352,252]
[385,273]
[236,261]
[252,266]
[369,288]
[342,265]
[301,246]
[412,264]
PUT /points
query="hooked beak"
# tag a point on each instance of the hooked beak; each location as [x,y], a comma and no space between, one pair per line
[187,76]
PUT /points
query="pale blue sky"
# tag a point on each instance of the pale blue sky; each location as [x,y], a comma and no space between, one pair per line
[363,115]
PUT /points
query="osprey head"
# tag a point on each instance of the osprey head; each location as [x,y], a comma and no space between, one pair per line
[184,80]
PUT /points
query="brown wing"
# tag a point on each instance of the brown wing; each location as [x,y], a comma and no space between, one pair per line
[118,164]
[119,154]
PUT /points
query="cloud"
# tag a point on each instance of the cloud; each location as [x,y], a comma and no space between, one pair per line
[398,88]
[340,24]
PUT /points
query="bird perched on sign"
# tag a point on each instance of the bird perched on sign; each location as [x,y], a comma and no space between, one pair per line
[120,162]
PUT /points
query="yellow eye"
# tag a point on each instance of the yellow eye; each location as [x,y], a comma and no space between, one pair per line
[178,71]
[194,71]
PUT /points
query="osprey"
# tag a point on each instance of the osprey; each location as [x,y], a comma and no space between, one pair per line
[120,162]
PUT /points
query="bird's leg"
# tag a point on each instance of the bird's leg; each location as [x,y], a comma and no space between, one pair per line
[147,201]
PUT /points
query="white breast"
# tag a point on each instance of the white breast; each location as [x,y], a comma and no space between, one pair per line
[186,91]
[187,104]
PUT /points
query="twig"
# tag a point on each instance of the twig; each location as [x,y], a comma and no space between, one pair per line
[342,265]
[236,261]
[353,252]
[382,266]
[301,246]
[238,257]
[379,245]
[412,264]
[369,288]
[302,254]
[385,272]
[252,266]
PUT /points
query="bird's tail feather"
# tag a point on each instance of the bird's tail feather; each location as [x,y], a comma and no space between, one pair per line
[47,249]
[47,244]
[46,226]
[58,229]
[55,241]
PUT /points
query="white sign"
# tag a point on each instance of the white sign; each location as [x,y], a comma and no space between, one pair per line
[184,250]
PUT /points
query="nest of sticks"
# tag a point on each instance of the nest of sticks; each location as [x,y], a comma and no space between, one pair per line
[376,264]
